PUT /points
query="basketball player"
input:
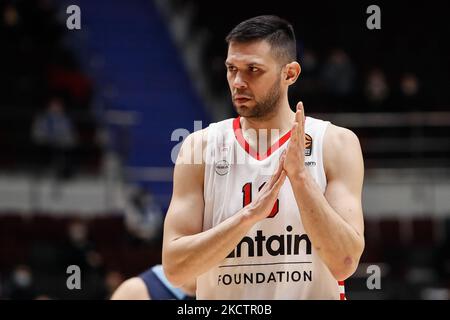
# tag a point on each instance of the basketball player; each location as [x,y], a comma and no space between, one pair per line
[244,232]
[152,285]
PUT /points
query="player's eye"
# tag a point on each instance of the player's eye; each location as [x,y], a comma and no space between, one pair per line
[254,69]
[231,68]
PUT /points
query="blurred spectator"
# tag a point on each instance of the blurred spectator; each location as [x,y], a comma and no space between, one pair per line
[376,91]
[143,215]
[338,73]
[21,287]
[80,250]
[410,97]
[54,137]
[309,83]
[338,76]
[310,70]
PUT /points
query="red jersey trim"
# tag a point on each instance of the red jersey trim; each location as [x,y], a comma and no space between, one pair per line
[342,295]
[246,146]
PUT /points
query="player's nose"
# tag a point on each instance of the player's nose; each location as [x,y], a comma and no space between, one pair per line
[238,82]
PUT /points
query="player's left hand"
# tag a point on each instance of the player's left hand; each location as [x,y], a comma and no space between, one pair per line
[294,163]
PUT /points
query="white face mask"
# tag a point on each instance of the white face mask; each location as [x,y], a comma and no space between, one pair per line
[22,278]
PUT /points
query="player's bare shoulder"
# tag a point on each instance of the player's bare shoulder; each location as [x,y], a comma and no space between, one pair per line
[341,147]
[340,137]
[131,289]
[190,163]
[193,149]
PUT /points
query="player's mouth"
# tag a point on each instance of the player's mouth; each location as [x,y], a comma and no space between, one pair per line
[241,99]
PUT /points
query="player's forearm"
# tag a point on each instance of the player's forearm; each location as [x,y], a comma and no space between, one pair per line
[189,256]
[337,242]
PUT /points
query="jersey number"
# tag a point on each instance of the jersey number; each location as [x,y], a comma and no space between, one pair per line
[247,198]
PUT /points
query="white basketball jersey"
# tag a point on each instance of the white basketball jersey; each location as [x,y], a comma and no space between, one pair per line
[276,259]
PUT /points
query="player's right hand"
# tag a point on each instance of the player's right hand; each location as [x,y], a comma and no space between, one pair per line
[261,207]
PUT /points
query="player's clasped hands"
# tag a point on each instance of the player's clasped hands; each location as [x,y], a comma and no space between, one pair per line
[267,196]
[291,165]
[294,164]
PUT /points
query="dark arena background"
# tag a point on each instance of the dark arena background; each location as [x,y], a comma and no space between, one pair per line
[87,116]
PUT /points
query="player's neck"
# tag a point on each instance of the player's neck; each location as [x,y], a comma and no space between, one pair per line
[269,129]
[281,120]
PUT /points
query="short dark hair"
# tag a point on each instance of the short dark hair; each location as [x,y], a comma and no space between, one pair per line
[278,32]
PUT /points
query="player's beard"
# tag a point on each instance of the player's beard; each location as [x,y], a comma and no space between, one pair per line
[263,107]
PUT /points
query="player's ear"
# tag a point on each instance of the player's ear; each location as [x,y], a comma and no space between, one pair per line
[293,70]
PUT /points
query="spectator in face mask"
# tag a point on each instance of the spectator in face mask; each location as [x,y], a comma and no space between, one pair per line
[80,250]
[22,284]
[54,137]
